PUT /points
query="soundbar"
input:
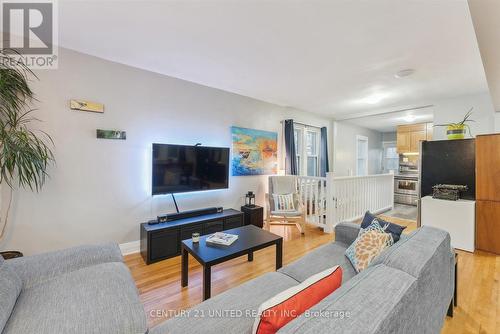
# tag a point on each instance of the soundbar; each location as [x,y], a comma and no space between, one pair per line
[185,214]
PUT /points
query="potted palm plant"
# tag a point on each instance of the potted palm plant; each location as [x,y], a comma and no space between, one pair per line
[25,153]
[458,130]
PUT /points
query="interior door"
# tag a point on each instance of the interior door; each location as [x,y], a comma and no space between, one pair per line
[361,155]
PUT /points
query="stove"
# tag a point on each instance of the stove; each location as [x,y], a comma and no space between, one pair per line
[406,189]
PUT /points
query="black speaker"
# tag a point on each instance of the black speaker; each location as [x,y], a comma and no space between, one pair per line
[188,214]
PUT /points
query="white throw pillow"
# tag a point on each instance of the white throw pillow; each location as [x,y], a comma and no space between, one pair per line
[284,203]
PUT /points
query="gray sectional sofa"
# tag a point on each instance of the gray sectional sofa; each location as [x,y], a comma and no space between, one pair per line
[78,290]
[407,289]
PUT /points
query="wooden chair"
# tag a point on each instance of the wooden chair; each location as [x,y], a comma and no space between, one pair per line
[283,185]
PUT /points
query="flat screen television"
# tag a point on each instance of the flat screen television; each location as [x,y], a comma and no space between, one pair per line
[182,168]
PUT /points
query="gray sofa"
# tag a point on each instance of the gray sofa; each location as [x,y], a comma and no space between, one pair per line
[78,290]
[406,289]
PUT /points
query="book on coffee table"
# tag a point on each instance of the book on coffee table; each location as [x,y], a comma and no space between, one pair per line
[221,238]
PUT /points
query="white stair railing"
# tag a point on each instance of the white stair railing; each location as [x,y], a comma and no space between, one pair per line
[331,200]
[313,195]
[351,196]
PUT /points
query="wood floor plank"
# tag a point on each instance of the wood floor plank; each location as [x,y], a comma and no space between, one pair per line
[159,285]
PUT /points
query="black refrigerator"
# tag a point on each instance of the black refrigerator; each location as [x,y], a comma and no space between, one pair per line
[448,162]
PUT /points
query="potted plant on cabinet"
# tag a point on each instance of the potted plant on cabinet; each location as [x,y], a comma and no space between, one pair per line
[458,130]
[25,153]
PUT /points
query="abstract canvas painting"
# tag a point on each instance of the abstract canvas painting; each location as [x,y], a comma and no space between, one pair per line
[255,152]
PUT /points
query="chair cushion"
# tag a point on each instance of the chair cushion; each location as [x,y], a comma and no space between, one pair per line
[10,287]
[294,213]
[97,299]
[232,311]
[318,260]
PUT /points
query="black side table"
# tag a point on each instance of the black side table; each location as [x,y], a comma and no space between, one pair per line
[253,215]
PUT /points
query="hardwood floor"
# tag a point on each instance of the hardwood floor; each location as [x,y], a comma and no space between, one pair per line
[159,285]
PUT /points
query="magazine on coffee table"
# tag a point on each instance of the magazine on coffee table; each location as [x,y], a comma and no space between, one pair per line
[221,238]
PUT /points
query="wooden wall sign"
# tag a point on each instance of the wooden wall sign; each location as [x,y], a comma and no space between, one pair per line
[86,106]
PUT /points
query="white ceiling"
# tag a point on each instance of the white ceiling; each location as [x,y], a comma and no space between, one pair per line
[486,18]
[388,122]
[326,56]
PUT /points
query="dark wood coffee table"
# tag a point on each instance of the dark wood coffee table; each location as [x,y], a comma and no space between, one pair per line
[250,239]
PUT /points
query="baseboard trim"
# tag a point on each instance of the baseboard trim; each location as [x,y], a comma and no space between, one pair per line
[130,247]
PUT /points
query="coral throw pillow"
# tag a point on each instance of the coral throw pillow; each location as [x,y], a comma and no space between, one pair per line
[371,241]
[291,303]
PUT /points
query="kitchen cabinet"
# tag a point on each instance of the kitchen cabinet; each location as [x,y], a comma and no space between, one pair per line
[488,193]
[487,226]
[415,138]
[487,168]
[410,136]
[429,131]
[403,141]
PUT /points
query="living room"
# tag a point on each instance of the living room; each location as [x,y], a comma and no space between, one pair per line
[304,109]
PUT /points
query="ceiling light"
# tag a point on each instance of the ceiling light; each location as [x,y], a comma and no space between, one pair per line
[410,118]
[374,98]
[404,73]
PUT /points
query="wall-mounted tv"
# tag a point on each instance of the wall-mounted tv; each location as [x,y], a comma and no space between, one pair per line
[182,168]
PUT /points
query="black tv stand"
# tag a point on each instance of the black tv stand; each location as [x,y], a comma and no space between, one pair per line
[163,240]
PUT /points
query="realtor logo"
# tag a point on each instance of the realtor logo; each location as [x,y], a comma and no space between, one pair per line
[29,29]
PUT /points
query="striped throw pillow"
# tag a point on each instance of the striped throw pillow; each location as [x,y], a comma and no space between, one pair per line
[284,202]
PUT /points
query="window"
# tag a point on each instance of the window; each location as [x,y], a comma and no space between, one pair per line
[307,149]
[391,157]
[361,155]
[312,150]
[298,134]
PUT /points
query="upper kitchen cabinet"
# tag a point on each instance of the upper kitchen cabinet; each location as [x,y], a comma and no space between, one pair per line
[429,130]
[415,138]
[410,136]
[403,140]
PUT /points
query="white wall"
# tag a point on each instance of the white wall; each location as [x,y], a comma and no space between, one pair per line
[344,142]
[99,190]
[497,121]
[389,136]
[453,110]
